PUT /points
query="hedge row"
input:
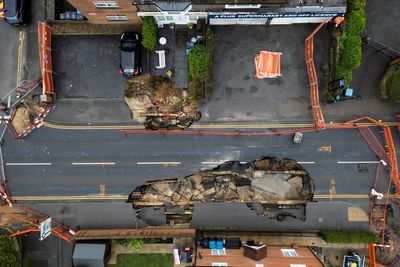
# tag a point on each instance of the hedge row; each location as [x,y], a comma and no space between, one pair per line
[149,33]
[350,41]
[8,254]
[349,237]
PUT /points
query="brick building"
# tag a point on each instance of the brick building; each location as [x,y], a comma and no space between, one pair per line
[111,11]
[261,256]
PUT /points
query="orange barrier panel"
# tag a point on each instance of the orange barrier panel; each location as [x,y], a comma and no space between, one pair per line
[268,64]
[312,76]
[371,254]
[44,40]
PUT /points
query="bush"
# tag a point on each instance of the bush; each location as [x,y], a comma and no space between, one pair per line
[8,254]
[350,53]
[393,85]
[349,237]
[198,63]
[149,33]
[135,243]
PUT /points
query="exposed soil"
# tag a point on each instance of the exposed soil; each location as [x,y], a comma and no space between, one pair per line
[25,114]
[86,28]
[151,96]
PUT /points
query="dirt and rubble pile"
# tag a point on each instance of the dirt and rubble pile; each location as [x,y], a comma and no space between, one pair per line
[267,180]
[389,256]
[150,96]
[25,114]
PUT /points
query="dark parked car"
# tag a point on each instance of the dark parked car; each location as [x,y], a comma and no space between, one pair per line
[131,47]
[16,12]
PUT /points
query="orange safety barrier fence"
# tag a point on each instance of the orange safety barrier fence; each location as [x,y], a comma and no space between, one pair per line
[46,67]
[312,76]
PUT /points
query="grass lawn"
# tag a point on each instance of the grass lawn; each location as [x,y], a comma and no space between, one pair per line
[148,260]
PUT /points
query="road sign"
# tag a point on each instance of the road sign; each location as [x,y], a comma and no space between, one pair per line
[45,229]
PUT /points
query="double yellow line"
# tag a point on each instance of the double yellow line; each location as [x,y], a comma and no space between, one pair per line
[202,126]
[21,42]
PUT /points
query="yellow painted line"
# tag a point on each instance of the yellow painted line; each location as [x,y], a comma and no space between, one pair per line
[21,41]
[125,197]
[200,126]
[70,198]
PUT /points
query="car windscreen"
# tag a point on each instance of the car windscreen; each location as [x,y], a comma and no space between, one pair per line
[128,46]
[11,7]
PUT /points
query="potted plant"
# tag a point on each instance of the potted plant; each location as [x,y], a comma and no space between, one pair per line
[190,25]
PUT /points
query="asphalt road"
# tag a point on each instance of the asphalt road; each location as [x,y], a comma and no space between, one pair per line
[59,162]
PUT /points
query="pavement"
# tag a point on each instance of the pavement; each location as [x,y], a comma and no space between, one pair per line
[9,43]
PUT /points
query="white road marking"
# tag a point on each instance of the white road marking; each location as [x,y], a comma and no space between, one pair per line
[358,162]
[159,163]
[218,162]
[29,164]
[306,162]
[93,163]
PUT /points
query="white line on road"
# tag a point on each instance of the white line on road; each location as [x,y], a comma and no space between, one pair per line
[159,163]
[93,163]
[28,164]
[306,162]
[218,162]
[358,162]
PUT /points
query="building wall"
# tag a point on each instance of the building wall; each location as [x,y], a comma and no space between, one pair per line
[275,258]
[98,15]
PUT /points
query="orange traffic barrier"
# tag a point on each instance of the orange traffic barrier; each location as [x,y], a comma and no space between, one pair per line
[312,76]
[44,40]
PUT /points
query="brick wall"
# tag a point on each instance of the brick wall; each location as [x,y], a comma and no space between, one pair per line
[98,15]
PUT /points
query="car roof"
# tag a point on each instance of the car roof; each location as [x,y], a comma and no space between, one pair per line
[11,7]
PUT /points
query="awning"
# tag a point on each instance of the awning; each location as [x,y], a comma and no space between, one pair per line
[268,64]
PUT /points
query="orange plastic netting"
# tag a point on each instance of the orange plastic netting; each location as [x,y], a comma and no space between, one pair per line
[268,64]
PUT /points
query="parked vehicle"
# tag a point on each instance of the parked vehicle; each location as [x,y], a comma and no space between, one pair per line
[297,138]
[130,56]
[16,12]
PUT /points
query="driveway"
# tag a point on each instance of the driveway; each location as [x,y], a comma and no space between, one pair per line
[382,26]
[239,96]
[9,56]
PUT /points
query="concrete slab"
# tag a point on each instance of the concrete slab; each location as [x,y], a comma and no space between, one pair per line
[88,67]
[239,96]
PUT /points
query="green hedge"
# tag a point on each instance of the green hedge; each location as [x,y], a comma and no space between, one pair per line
[349,237]
[350,53]
[199,66]
[8,254]
[149,33]
[393,85]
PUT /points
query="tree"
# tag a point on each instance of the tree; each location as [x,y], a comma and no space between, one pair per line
[8,254]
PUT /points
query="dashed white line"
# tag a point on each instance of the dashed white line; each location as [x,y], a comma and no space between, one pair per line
[93,163]
[159,163]
[28,164]
[306,162]
[218,162]
[358,162]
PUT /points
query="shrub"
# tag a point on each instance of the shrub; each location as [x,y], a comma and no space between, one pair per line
[393,85]
[349,237]
[8,254]
[136,243]
[198,63]
[149,33]
[350,53]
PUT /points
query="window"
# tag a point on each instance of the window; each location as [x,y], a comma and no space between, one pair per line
[219,252]
[259,265]
[106,4]
[117,17]
[289,253]
[298,265]
[219,264]
[250,6]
